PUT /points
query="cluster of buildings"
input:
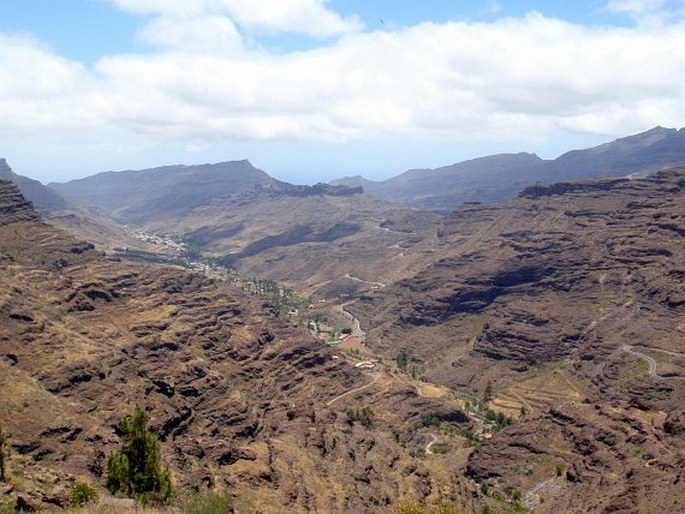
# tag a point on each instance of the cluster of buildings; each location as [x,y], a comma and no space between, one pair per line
[172,247]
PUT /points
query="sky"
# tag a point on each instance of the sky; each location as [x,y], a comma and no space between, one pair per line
[312,90]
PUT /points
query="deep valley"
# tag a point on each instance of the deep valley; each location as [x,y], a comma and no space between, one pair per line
[342,348]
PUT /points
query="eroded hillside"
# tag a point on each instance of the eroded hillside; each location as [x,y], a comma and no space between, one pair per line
[569,302]
[240,400]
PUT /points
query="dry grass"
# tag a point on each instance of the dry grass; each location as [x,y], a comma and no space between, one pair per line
[551,388]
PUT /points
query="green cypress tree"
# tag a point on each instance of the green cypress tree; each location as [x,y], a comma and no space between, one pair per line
[4,452]
[135,470]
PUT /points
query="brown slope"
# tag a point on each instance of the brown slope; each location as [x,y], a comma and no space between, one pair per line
[571,293]
[322,239]
[239,399]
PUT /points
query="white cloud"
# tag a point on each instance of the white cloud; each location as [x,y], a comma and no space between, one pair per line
[492,7]
[38,88]
[649,12]
[301,16]
[635,6]
[209,33]
[524,76]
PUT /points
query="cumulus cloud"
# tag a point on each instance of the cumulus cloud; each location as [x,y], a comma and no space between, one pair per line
[527,75]
[207,34]
[39,89]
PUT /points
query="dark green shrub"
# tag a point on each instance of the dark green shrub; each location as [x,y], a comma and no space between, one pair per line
[363,416]
[4,453]
[559,469]
[403,359]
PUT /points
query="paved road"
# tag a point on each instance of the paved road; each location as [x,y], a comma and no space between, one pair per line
[651,362]
[356,326]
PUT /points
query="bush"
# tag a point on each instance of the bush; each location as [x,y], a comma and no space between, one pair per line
[409,508]
[135,470]
[418,508]
[207,503]
[403,359]
[81,494]
[447,508]
[363,416]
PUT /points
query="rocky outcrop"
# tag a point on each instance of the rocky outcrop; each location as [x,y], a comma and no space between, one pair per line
[322,189]
[537,267]
[13,206]
[583,458]
[560,188]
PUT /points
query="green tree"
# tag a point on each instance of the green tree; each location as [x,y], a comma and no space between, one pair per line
[363,416]
[4,453]
[403,359]
[488,394]
[135,470]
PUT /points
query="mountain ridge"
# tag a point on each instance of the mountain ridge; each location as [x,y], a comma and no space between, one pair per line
[492,178]
[163,191]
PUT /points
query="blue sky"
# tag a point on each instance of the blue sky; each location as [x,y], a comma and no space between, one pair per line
[88,29]
[312,89]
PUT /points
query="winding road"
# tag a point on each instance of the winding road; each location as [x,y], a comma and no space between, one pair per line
[356,326]
[353,391]
[376,284]
[652,363]
[429,446]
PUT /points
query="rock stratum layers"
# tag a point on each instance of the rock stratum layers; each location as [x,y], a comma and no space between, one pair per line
[239,399]
[569,301]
